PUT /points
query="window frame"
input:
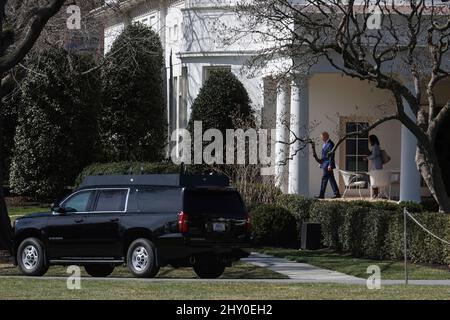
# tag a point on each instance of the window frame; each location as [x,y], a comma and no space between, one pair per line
[92,203]
[142,189]
[91,199]
[356,139]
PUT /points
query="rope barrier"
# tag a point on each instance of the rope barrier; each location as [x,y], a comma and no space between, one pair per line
[406,214]
[425,229]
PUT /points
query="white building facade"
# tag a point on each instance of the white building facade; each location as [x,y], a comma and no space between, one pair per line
[190,31]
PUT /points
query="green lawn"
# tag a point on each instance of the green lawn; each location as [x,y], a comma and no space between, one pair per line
[15,212]
[238,271]
[104,290]
[357,267]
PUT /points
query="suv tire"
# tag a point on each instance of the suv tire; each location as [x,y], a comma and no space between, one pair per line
[209,269]
[31,258]
[141,259]
[99,270]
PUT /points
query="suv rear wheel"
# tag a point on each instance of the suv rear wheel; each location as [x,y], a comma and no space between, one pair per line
[31,258]
[141,259]
[209,269]
[99,270]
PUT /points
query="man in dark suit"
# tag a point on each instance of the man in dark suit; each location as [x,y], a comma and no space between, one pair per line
[327,165]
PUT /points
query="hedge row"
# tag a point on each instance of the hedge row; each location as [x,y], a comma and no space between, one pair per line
[366,229]
[373,232]
[273,226]
[125,168]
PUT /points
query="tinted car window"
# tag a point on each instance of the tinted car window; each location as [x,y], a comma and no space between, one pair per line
[158,199]
[111,200]
[78,202]
[217,202]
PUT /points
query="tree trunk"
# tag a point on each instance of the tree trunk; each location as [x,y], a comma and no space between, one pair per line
[5,221]
[432,174]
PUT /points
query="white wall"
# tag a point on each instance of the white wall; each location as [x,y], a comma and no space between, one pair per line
[207,25]
[111,34]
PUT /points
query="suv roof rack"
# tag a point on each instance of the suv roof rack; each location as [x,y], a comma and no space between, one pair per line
[168,180]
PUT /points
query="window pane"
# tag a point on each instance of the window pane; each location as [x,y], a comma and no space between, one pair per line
[350,163]
[362,165]
[351,127]
[111,200]
[362,126]
[357,147]
[363,147]
[158,200]
[79,202]
[351,147]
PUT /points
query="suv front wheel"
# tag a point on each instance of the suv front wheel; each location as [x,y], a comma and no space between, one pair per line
[31,258]
[141,259]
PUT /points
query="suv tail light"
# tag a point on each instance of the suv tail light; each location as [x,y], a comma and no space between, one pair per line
[183,222]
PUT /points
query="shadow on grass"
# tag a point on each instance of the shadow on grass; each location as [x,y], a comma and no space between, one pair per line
[238,271]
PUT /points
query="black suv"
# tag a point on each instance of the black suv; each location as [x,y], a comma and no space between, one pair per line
[145,222]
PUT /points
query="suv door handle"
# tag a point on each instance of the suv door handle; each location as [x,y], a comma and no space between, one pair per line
[114,220]
[79,220]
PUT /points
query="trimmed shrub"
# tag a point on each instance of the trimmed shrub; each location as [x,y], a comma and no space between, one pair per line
[329,215]
[351,232]
[133,118]
[374,233]
[298,205]
[273,226]
[222,102]
[412,207]
[57,131]
[394,237]
[8,123]
[375,230]
[124,168]
[422,246]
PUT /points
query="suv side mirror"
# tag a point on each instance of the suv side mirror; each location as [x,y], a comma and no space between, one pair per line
[58,210]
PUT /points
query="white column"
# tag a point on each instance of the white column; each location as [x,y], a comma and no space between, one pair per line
[299,164]
[410,176]
[282,149]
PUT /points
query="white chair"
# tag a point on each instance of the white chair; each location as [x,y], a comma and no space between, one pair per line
[380,179]
[351,180]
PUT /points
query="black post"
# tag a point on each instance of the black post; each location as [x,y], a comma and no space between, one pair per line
[405,244]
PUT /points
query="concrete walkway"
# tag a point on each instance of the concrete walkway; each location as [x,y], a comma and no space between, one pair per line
[305,273]
[300,272]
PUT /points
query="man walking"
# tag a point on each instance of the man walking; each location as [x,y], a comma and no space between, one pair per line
[327,164]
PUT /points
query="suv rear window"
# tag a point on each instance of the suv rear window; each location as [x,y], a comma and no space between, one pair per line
[158,199]
[215,202]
